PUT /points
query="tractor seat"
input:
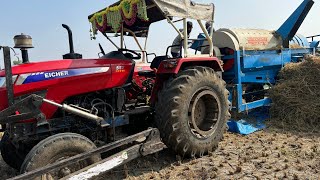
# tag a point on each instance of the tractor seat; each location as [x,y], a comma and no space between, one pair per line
[147,73]
[154,65]
[157,61]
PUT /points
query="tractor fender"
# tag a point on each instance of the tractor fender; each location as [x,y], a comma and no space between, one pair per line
[174,66]
[171,67]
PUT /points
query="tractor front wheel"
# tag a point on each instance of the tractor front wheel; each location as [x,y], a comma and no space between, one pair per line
[56,148]
[9,152]
[192,110]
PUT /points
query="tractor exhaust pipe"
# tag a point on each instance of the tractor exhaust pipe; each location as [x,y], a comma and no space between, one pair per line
[25,56]
[71,54]
[70,37]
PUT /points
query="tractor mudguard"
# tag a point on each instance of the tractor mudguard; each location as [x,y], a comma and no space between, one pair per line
[173,66]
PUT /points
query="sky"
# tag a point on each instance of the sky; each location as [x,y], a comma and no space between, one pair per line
[42,20]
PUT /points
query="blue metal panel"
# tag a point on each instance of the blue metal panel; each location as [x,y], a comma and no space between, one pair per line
[295,40]
[265,59]
[304,41]
[255,104]
[292,24]
[300,40]
[238,85]
[314,44]
[301,51]
[263,77]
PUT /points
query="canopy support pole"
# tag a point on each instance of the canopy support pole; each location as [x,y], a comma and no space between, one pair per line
[174,26]
[209,37]
[121,36]
[185,39]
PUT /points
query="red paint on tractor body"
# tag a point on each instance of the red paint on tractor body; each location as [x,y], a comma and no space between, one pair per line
[59,89]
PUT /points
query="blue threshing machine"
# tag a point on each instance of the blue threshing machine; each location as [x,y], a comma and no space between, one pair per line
[253,57]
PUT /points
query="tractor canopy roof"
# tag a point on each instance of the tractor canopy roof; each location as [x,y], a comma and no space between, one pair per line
[137,15]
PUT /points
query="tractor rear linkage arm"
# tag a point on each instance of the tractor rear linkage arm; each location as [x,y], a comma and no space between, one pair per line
[151,144]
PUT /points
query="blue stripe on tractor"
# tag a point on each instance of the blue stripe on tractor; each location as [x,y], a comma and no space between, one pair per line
[58,74]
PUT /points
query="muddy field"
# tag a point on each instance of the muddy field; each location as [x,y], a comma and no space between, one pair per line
[274,153]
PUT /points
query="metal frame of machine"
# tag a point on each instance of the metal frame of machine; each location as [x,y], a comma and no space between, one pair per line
[250,67]
[262,66]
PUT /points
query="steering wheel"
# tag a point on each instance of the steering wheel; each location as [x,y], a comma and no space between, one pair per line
[138,55]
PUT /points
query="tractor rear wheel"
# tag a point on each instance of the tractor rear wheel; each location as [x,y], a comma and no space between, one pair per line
[192,110]
[56,148]
[9,152]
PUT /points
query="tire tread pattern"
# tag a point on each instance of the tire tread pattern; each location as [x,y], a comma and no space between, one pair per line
[168,111]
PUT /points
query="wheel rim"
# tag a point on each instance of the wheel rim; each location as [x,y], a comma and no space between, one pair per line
[65,171]
[204,113]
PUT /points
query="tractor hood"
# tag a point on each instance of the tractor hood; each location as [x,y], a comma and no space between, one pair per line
[44,66]
[65,78]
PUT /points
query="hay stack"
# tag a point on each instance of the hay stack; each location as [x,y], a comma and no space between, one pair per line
[296,96]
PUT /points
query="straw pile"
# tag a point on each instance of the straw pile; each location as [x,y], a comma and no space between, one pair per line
[296,96]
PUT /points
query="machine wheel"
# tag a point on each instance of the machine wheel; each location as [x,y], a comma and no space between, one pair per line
[192,110]
[56,148]
[9,152]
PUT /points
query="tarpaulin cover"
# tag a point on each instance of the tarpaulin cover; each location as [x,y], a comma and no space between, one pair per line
[255,121]
[186,9]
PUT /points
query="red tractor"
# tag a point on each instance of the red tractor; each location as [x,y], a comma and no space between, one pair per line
[56,109]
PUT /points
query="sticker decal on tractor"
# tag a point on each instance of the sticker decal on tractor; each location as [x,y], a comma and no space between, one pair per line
[56,74]
[120,69]
[49,75]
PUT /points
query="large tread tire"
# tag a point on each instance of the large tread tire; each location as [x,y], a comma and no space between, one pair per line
[172,113]
[58,147]
[9,152]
